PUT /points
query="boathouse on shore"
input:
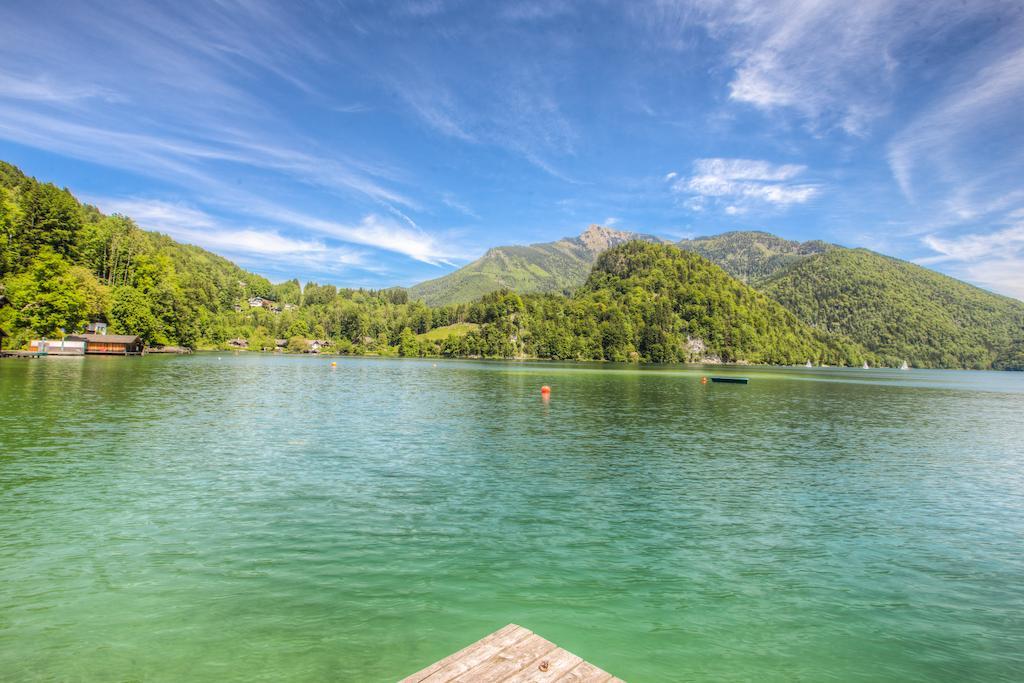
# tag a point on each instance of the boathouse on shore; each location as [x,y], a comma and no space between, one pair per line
[57,347]
[109,344]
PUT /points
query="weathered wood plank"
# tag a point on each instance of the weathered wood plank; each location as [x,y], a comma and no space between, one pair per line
[549,667]
[473,655]
[436,666]
[585,672]
[512,654]
[508,661]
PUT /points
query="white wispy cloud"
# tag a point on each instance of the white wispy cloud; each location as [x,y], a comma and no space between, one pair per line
[516,108]
[994,259]
[178,158]
[975,246]
[535,11]
[736,182]
[43,88]
[206,144]
[992,96]
[353,108]
[250,245]
[450,201]
[836,64]
[371,230]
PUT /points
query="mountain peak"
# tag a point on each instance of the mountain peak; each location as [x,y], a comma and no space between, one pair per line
[597,238]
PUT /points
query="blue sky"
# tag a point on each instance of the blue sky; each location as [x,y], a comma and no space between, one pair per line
[371,144]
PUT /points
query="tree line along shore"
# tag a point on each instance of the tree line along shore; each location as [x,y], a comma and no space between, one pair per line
[64,264]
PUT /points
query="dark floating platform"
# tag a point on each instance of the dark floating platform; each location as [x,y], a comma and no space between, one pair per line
[731,380]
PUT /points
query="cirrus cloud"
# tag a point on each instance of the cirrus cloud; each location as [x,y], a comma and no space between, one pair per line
[738,183]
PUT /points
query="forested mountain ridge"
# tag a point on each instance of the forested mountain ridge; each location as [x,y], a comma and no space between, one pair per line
[896,310]
[902,311]
[563,265]
[677,299]
[652,303]
[753,256]
[557,267]
[63,263]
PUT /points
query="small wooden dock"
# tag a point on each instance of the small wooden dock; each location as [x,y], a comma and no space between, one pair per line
[22,354]
[512,655]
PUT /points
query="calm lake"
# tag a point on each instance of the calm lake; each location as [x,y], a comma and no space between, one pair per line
[237,518]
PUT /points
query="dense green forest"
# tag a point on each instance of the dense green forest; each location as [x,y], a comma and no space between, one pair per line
[753,256]
[901,311]
[896,310]
[63,264]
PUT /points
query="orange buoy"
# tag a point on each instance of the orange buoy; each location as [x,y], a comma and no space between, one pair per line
[545,390]
[333,364]
[703,380]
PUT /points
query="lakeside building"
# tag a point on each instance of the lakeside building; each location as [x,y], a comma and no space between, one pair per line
[318,345]
[109,344]
[57,347]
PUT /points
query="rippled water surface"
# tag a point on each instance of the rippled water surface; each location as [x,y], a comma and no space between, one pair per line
[237,518]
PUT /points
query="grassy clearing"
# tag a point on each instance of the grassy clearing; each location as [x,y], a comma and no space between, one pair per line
[442,333]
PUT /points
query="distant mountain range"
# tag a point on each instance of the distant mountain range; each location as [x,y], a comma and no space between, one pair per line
[562,266]
[893,308]
[900,310]
[753,256]
[556,267]
[743,296]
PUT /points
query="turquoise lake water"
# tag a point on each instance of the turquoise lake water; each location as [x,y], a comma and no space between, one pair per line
[239,518]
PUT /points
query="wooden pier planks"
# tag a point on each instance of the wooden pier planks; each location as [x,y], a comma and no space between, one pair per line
[514,655]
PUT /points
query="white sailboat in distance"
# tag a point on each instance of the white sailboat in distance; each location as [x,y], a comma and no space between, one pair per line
[904,366]
[808,364]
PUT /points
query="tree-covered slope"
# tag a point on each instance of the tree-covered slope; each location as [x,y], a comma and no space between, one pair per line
[899,310]
[1011,358]
[63,263]
[753,256]
[558,267]
[671,300]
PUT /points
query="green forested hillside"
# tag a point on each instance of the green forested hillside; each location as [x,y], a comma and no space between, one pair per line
[648,302]
[558,267]
[899,310]
[666,304]
[63,264]
[1012,358]
[753,256]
